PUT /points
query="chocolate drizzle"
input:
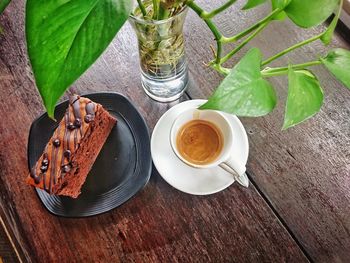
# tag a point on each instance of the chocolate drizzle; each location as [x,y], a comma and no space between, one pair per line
[66,138]
[53,161]
[77,121]
[90,108]
[90,112]
[56,162]
[73,98]
[43,177]
[75,139]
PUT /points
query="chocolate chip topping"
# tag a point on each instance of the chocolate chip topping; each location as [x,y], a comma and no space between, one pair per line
[77,122]
[45,162]
[43,168]
[67,154]
[66,168]
[89,118]
[56,163]
[56,142]
[70,126]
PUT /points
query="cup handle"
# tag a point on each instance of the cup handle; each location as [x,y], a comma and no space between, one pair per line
[237,170]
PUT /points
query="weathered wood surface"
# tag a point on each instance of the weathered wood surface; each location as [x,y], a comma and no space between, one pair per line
[308,187]
[160,223]
[7,252]
[304,172]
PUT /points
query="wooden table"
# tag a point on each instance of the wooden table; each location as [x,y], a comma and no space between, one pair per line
[297,208]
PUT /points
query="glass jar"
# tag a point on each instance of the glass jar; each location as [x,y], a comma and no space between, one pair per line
[164,73]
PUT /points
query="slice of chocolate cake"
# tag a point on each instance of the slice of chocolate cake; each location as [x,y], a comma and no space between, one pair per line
[73,148]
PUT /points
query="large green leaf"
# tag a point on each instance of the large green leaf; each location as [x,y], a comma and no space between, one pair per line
[338,63]
[64,37]
[253,3]
[308,13]
[326,38]
[244,92]
[281,4]
[3,4]
[305,97]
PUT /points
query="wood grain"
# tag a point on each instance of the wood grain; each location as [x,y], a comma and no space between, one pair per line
[160,224]
[7,252]
[303,172]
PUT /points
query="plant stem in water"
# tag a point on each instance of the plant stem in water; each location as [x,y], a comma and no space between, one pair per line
[142,8]
[155,9]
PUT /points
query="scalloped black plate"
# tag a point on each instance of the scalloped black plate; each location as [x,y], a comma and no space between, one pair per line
[121,169]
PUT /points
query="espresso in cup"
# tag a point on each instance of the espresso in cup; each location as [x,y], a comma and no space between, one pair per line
[204,140]
[199,142]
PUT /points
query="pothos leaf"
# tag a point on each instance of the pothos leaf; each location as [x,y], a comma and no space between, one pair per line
[310,13]
[338,63]
[281,4]
[65,37]
[253,3]
[326,38]
[305,97]
[244,92]
[280,16]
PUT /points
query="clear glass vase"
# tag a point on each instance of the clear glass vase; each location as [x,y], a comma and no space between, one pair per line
[164,73]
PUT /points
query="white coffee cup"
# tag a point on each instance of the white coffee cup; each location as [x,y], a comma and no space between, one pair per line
[224,160]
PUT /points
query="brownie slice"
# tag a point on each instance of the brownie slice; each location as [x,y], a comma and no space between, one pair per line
[69,155]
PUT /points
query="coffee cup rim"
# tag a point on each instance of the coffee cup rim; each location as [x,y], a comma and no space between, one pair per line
[215,163]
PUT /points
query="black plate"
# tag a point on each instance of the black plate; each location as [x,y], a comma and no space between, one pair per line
[121,169]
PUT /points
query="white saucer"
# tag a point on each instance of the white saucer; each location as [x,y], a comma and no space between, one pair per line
[183,177]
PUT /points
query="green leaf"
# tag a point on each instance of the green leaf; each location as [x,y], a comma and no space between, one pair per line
[327,36]
[280,16]
[338,63]
[65,37]
[253,3]
[310,13]
[305,97]
[3,4]
[281,4]
[244,92]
